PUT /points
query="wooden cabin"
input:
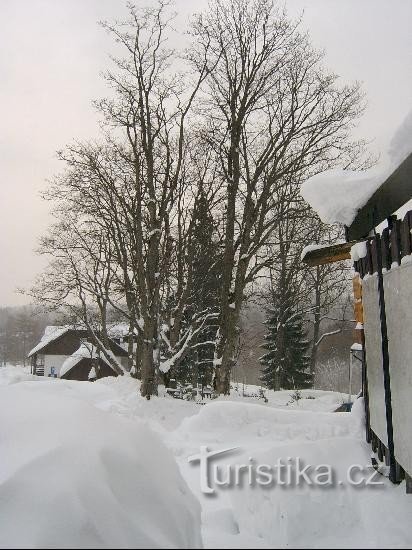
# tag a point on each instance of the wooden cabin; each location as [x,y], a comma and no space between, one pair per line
[382,298]
[66,352]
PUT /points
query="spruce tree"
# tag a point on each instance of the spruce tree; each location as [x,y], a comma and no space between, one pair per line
[286,364]
[206,268]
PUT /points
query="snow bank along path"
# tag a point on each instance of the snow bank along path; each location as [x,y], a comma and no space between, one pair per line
[297,516]
[73,476]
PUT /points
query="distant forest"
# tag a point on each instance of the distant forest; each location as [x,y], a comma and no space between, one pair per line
[20,330]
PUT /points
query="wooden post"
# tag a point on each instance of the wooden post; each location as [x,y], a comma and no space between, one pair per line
[359,338]
[385,362]
[408,480]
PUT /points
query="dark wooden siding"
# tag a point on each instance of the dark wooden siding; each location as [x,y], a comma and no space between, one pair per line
[67,344]
[70,341]
[81,370]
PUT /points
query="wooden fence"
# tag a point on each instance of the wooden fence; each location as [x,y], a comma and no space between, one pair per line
[395,243]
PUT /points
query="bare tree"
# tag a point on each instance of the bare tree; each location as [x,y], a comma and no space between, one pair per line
[78,282]
[273,116]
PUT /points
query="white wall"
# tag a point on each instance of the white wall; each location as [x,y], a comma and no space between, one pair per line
[55,361]
[373,346]
[398,302]
[398,299]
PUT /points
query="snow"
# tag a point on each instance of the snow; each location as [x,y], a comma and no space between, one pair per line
[75,476]
[401,144]
[337,195]
[124,487]
[356,347]
[358,251]
[118,330]
[405,260]
[92,374]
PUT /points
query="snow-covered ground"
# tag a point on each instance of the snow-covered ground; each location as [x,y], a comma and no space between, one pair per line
[94,465]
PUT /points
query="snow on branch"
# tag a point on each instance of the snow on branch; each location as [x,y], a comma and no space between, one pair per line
[184,345]
[326,334]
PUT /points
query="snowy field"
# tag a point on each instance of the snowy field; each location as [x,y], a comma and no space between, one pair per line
[95,465]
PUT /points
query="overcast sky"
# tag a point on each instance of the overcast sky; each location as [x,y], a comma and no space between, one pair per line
[51,55]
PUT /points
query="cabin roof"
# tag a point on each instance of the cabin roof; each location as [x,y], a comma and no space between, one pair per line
[394,192]
[51,334]
[55,333]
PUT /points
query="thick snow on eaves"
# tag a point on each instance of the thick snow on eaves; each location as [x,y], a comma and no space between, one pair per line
[337,195]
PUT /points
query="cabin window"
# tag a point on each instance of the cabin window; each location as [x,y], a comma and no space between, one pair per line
[40,360]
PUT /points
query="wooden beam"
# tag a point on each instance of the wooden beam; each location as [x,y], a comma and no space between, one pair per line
[328,254]
[391,195]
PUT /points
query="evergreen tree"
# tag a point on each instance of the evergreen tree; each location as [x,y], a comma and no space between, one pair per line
[286,364]
[206,268]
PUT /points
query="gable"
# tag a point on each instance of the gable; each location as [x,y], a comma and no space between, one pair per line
[65,343]
[81,370]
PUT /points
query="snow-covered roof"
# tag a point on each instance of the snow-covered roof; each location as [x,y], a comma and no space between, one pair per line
[337,195]
[51,333]
[85,351]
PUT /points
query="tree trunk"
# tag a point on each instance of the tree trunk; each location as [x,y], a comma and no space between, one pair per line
[148,372]
[149,382]
[226,351]
[130,345]
[139,355]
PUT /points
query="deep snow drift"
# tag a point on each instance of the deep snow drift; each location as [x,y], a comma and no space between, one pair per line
[72,475]
[81,466]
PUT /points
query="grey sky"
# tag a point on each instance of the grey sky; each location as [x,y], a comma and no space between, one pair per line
[51,54]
